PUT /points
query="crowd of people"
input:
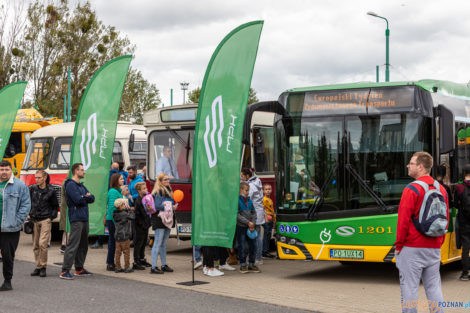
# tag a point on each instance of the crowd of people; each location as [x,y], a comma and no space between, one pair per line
[132,210]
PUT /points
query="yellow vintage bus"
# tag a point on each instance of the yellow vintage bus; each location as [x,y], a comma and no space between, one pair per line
[26,122]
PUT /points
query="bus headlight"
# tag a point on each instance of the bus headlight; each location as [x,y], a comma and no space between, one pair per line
[282,239]
[292,242]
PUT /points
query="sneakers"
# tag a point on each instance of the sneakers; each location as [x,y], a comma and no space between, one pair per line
[204,270]
[66,275]
[464,276]
[253,269]
[6,286]
[118,270]
[128,270]
[197,265]
[243,269]
[138,267]
[166,268]
[144,262]
[259,262]
[62,249]
[110,267]
[82,272]
[226,267]
[42,272]
[214,272]
[156,271]
[96,245]
[36,272]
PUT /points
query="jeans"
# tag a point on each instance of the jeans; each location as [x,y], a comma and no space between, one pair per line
[8,245]
[267,233]
[111,242]
[197,253]
[259,243]
[159,245]
[243,241]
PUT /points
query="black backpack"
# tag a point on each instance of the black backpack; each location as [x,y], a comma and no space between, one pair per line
[465,209]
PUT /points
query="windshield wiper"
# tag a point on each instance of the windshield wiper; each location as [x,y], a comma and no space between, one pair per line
[366,187]
[63,156]
[181,140]
[319,201]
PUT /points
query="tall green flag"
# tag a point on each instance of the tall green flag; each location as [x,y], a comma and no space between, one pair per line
[95,130]
[218,138]
[10,102]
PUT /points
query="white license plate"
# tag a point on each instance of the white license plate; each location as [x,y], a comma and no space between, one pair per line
[185,228]
[346,254]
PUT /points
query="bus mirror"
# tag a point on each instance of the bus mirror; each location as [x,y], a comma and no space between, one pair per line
[131,142]
[446,129]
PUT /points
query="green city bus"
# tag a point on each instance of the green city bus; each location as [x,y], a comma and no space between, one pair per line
[341,163]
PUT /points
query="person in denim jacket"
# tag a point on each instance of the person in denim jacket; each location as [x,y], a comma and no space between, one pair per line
[15,205]
[162,193]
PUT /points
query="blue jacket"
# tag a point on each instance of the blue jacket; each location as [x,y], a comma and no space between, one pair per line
[246,212]
[77,202]
[132,189]
[16,205]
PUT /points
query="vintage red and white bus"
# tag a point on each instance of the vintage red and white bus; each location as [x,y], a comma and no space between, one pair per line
[50,149]
[170,134]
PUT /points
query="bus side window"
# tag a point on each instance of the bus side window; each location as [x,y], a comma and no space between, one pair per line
[117,152]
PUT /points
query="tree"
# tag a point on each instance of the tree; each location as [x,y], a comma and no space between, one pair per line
[10,33]
[57,38]
[194,94]
[139,96]
[252,98]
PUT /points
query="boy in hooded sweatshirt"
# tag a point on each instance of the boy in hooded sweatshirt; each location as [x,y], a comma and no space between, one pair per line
[246,221]
[122,219]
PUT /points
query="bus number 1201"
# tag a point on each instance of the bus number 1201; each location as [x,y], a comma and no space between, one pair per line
[375,230]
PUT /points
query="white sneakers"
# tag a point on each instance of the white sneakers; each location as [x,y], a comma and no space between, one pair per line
[226,267]
[259,262]
[197,265]
[213,272]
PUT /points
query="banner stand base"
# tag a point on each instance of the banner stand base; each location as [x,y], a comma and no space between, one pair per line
[59,263]
[193,283]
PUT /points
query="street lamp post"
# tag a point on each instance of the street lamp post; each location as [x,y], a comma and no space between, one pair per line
[387,35]
[184,87]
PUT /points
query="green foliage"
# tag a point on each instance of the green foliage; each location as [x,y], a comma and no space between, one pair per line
[57,37]
[139,96]
[193,96]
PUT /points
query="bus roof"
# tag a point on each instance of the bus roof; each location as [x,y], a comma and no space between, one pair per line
[154,117]
[447,88]
[25,127]
[66,130]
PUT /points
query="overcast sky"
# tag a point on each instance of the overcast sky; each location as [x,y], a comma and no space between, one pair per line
[303,43]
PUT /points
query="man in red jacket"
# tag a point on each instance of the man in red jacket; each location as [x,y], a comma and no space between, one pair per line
[418,256]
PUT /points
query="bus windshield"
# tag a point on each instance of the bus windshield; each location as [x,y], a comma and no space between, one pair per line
[38,153]
[170,152]
[61,153]
[350,163]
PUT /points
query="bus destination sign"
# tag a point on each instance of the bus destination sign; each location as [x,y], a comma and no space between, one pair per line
[366,100]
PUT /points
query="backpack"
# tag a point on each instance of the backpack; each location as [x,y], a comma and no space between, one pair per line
[149,204]
[465,209]
[432,220]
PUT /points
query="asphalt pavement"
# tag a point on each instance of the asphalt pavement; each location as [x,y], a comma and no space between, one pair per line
[99,293]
